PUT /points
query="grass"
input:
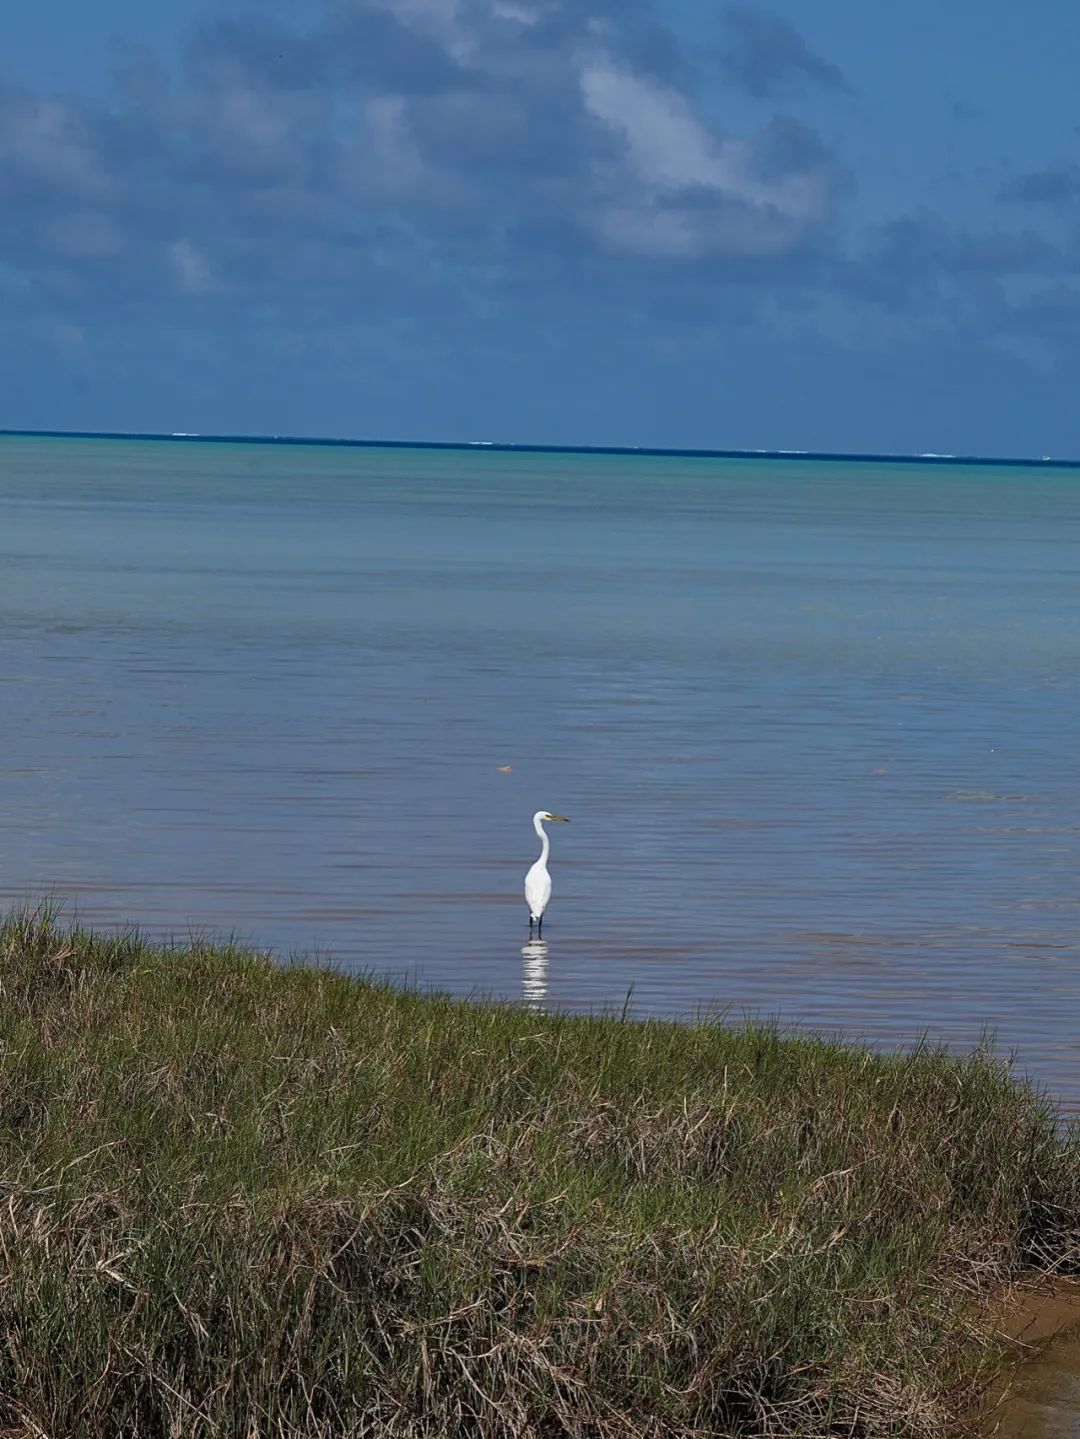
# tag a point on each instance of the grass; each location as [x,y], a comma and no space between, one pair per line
[245,1200]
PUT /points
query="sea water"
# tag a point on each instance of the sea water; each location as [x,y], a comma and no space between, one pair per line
[815,723]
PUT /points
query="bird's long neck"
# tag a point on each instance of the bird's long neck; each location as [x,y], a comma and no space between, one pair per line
[545,843]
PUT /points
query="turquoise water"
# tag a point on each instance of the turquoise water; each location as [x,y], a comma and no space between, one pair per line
[815,723]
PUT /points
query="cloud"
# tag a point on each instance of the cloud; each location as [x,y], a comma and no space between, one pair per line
[48,142]
[964,111]
[265,54]
[1056,185]
[922,279]
[83,235]
[190,267]
[767,56]
[677,189]
[69,340]
[491,128]
[415,175]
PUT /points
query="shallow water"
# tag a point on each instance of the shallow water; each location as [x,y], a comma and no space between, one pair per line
[1045,1400]
[815,723]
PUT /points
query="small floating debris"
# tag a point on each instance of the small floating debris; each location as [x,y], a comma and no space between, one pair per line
[504,768]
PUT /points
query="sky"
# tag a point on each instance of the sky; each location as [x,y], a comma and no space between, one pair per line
[828,227]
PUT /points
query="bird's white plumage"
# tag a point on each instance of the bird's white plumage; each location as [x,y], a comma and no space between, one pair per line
[538,881]
[538,888]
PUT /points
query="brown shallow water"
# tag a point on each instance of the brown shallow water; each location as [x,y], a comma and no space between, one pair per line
[1039,1395]
[1044,1402]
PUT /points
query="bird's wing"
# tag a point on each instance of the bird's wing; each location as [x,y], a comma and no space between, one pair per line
[537,889]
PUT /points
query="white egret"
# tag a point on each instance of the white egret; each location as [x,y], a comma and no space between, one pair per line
[538,881]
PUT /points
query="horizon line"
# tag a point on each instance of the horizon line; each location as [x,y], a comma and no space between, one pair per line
[530,447]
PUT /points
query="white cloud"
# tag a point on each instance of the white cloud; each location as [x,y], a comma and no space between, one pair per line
[646,229]
[510,10]
[439,20]
[387,161]
[69,339]
[666,145]
[190,268]
[47,139]
[679,190]
[669,149]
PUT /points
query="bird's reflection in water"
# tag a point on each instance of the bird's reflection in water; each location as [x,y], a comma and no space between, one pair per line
[534,973]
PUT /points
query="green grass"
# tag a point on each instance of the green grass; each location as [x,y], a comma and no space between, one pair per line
[242,1200]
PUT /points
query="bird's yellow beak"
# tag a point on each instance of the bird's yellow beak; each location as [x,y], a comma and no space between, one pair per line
[560,819]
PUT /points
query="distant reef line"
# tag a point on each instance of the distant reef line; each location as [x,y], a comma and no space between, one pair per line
[1043,462]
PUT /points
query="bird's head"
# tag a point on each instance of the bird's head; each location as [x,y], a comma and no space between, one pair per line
[546,817]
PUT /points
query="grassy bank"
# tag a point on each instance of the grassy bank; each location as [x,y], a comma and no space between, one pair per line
[241,1200]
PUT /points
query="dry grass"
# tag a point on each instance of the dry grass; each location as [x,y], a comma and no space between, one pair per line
[244,1200]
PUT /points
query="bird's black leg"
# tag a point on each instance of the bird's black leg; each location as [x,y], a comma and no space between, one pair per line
[540,927]
[530,926]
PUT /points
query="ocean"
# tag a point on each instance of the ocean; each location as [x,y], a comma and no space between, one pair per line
[815,723]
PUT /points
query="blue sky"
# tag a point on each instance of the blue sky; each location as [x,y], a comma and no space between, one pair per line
[836,226]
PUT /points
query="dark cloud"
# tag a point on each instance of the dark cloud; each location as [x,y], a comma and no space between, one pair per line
[264,53]
[1051,314]
[927,243]
[369,45]
[964,111]
[788,147]
[1056,185]
[932,278]
[767,56]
